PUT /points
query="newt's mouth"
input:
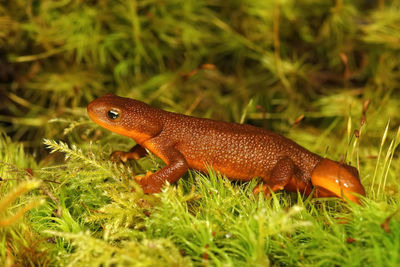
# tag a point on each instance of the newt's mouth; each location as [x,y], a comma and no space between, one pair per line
[332,179]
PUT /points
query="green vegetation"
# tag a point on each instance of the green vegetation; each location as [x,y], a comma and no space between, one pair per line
[267,63]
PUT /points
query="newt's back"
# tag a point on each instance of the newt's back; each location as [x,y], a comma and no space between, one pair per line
[240,151]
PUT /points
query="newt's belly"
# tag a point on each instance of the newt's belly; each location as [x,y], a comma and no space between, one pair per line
[232,171]
[236,161]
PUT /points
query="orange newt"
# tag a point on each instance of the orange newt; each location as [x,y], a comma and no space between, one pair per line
[239,151]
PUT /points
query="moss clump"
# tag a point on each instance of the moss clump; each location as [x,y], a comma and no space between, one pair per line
[324,74]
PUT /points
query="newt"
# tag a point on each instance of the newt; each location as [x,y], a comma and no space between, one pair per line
[238,151]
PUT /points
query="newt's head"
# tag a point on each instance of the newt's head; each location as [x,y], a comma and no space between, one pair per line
[332,179]
[125,116]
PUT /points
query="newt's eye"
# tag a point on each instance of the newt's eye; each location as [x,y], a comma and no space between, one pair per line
[113,114]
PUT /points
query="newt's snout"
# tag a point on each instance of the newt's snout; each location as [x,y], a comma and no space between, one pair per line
[332,179]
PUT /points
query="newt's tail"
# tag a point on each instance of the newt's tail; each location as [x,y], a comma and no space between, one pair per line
[332,179]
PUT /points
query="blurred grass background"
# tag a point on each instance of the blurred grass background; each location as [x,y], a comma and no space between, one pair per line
[324,73]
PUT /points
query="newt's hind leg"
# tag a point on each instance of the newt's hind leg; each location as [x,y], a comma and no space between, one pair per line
[136,153]
[280,176]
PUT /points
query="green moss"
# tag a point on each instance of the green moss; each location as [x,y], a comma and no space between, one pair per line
[267,63]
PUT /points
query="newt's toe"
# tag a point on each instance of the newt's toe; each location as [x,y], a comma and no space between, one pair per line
[266,189]
[148,186]
[118,156]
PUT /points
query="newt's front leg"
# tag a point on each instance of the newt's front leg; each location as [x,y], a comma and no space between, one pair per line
[175,169]
[135,153]
[279,177]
